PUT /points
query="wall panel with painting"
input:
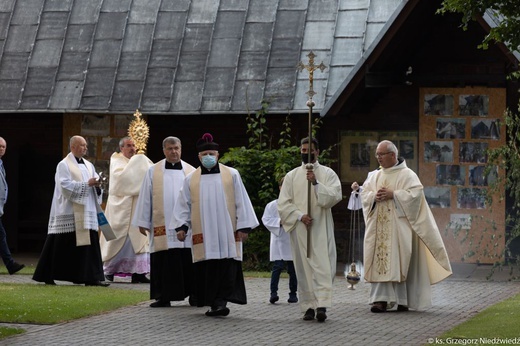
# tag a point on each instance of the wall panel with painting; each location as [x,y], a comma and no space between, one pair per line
[457,126]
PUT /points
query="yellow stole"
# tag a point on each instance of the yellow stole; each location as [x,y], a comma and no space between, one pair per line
[196,224]
[160,240]
[82,234]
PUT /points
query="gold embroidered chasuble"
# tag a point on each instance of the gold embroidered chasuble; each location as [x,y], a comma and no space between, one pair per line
[389,227]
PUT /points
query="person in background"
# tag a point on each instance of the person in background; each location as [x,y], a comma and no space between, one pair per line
[11,265]
[71,251]
[279,252]
[171,267]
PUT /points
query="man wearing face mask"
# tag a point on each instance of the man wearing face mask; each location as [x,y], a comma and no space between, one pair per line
[215,204]
[315,273]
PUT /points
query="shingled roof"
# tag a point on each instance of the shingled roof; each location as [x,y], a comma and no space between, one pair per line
[179,56]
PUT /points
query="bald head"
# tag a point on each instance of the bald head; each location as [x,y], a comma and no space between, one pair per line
[78,146]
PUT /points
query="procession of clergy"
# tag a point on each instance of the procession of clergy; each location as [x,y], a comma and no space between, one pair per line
[186,227]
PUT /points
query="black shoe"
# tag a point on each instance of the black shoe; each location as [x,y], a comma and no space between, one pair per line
[161,304]
[16,267]
[97,283]
[140,279]
[192,300]
[321,314]
[218,311]
[309,315]
[292,298]
[109,277]
[273,299]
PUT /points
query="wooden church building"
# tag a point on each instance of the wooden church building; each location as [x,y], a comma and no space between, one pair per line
[394,70]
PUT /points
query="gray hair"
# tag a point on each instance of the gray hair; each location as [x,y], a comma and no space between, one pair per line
[122,141]
[390,147]
[171,140]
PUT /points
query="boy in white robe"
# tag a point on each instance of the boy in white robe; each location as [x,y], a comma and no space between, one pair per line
[279,252]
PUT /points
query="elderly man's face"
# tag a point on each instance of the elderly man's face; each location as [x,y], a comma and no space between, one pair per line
[128,148]
[385,157]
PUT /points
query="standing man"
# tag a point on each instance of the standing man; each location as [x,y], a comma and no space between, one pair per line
[315,273]
[71,251]
[279,252]
[215,205]
[403,250]
[171,267]
[128,254]
[11,265]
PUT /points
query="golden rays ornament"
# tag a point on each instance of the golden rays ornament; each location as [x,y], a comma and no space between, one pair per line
[139,131]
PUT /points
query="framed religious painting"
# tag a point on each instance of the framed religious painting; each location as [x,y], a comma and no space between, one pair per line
[357,155]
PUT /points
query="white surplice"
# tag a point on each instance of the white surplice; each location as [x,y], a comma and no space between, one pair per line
[280,242]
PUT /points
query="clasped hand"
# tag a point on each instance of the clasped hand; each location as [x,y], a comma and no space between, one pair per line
[384,194]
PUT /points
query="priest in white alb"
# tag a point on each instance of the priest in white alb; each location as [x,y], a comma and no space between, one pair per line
[215,205]
[403,250]
[171,267]
[315,273]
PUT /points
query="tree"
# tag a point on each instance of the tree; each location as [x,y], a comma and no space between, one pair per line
[506,17]
[505,14]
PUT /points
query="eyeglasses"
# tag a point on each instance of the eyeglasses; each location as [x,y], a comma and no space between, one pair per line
[382,154]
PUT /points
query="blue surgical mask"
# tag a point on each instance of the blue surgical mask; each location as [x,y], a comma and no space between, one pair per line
[209,161]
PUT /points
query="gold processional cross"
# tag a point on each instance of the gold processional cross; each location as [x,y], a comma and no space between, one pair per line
[310,103]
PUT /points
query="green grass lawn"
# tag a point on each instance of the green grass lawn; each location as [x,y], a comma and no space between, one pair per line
[45,304]
[500,321]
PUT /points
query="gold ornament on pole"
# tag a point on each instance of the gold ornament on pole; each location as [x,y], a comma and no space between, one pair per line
[139,131]
[310,103]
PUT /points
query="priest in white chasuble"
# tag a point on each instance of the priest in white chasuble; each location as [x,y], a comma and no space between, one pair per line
[171,267]
[316,272]
[214,203]
[128,254]
[403,250]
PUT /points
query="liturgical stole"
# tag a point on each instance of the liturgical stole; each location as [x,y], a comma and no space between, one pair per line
[196,224]
[160,240]
[82,234]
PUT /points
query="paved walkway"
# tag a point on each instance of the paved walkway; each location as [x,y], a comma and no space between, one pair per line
[260,323]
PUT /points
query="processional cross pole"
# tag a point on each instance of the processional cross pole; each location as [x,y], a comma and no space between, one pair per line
[310,103]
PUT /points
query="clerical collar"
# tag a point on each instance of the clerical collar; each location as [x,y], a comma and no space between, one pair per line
[176,165]
[79,160]
[214,170]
